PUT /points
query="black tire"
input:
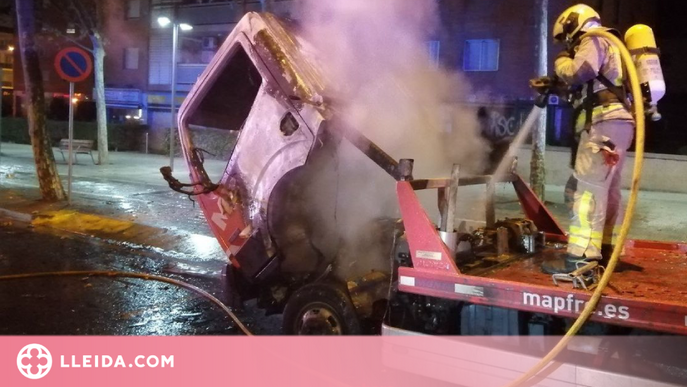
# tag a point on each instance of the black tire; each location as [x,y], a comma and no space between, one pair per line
[320,309]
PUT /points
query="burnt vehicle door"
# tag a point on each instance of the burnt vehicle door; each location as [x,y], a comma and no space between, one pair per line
[247,91]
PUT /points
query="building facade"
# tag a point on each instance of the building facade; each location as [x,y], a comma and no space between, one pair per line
[493,42]
[139,62]
[7,49]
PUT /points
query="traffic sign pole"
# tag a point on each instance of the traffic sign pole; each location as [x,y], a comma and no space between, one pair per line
[1,99]
[73,65]
[71,141]
[172,128]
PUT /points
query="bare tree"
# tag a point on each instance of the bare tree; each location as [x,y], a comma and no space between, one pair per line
[85,20]
[538,164]
[48,178]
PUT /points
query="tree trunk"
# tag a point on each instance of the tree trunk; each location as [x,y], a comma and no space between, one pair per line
[101,107]
[538,164]
[48,178]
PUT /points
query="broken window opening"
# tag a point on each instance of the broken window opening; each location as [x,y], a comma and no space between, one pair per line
[215,125]
[227,104]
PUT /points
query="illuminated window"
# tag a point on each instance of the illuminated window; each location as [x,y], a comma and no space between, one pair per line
[481,55]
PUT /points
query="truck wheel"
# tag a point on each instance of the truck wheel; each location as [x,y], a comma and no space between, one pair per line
[320,309]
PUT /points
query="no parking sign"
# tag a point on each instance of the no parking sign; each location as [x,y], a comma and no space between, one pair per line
[73,64]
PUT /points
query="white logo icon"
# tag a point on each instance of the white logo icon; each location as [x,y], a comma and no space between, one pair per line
[34,361]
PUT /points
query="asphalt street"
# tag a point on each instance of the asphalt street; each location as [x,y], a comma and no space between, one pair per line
[109,306]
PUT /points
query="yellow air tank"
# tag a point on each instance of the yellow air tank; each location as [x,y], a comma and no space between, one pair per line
[641,43]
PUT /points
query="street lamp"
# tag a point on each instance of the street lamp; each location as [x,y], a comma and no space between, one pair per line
[165,21]
[10,50]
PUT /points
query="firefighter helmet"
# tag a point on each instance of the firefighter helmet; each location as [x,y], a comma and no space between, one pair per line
[573,20]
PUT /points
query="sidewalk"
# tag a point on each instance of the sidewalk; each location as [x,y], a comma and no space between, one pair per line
[127,201]
[132,202]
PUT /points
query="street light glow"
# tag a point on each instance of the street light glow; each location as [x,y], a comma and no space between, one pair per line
[185,27]
[10,48]
[163,21]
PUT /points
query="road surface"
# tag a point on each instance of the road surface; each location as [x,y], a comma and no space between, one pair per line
[109,306]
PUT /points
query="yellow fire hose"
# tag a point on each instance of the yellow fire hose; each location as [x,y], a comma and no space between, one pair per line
[625,229]
[125,274]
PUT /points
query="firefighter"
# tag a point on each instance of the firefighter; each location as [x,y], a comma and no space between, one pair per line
[605,127]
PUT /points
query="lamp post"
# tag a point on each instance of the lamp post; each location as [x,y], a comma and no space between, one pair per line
[10,49]
[165,21]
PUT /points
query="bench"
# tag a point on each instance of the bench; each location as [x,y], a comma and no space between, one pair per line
[78,146]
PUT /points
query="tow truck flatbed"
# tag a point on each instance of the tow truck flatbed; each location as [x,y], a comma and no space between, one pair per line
[649,271]
[647,291]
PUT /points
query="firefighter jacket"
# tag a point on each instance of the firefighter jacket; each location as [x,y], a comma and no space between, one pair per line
[595,57]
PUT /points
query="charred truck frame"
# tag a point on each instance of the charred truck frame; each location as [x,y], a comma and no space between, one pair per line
[262,87]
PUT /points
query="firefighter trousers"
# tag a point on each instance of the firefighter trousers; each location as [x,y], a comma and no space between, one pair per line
[597,212]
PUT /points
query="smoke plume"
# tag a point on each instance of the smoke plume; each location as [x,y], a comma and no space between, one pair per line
[375,57]
[375,54]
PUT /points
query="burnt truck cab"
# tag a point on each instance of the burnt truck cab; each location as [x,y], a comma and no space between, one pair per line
[253,89]
[254,118]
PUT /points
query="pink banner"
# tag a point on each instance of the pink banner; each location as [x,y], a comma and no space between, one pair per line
[340,361]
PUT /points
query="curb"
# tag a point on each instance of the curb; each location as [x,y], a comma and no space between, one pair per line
[16,215]
[118,231]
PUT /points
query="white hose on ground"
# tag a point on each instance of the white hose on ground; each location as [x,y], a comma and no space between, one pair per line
[143,276]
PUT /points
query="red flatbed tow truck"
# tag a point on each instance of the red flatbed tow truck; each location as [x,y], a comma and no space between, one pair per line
[647,292]
[494,287]
[261,103]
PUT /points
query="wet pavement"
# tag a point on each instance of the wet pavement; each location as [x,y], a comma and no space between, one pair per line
[166,234]
[109,306]
[132,189]
[143,203]
[129,188]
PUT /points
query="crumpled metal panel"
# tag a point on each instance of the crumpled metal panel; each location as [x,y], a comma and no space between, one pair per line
[291,58]
[264,155]
[266,151]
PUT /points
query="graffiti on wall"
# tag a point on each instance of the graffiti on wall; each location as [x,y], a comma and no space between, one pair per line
[500,123]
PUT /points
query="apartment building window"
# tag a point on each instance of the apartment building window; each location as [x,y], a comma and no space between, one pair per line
[481,55]
[433,47]
[7,59]
[131,58]
[133,9]
[199,47]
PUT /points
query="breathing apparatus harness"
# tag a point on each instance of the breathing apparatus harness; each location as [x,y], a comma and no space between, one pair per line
[611,94]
